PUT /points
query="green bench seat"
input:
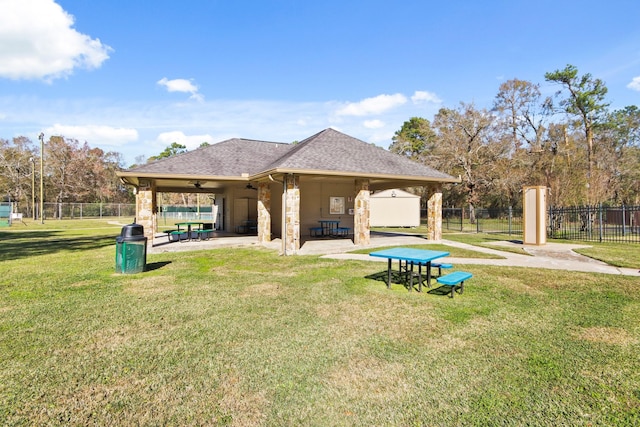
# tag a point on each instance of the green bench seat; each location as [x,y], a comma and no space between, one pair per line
[178,235]
[202,234]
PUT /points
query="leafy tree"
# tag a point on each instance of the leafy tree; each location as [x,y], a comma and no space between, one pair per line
[562,164]
[584,101]
[64,171]
[16,168]
[72,172]
[170,151]
[620,145]
[414,139]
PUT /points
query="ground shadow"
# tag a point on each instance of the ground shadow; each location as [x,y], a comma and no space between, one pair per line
[441,291]
[22,245]
[401,279]
[380,276]
[156,265]
[396,278]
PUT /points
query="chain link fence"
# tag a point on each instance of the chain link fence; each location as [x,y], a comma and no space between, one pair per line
[88,210]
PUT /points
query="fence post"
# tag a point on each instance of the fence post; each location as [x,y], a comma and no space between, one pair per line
[600,220]
[510,218]
[624,222]
[100,210]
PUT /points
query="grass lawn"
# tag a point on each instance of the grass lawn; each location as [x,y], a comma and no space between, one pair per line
[477,239]
[244,337]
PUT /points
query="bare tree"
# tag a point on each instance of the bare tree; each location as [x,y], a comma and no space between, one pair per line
[468,145]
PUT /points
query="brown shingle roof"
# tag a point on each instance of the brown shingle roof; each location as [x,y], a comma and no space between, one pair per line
[334,151]
[232,157]
[328,151]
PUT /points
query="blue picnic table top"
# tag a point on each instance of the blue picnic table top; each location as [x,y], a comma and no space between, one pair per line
[417,256]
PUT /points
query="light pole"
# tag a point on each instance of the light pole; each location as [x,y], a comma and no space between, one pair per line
[33,186]
[41,137]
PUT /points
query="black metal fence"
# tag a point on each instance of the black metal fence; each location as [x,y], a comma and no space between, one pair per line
[586,223]
[595,223]
[505,221]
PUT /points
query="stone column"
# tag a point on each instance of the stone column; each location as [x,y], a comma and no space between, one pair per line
[146,208]
[434,213]
[264,212]
[291,213]
[362,208]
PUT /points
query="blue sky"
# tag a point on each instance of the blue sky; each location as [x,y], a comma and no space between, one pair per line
[134,76]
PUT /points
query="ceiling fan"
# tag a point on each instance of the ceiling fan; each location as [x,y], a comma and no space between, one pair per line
[250,187]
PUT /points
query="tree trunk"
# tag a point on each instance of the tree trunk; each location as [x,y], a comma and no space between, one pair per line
[472,214]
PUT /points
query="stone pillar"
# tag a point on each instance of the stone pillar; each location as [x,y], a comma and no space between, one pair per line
[434,213]
[291,214]
[146,208]
[264,212]
[362,210]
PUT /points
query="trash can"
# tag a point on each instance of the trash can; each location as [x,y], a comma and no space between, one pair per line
[131,249]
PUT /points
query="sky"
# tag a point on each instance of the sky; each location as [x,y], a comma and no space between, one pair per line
[134,76]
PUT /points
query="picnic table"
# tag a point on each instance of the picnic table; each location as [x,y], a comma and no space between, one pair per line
[409,256]
[329,226]
[189,224]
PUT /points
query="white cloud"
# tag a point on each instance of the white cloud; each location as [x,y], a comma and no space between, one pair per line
[190,141]
[181,85]
[381,137]
[421,96]
[144,128]
[95,135]
[373,124]
[38,41]
[635,84]
[376,105]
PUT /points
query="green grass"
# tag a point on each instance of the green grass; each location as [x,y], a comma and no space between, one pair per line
[485,239]
[620,255]
[245,337]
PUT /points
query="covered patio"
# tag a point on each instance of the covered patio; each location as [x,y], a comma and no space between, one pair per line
[326,177]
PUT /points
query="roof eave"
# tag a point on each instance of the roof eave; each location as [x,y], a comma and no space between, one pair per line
[133,178]
[412,178]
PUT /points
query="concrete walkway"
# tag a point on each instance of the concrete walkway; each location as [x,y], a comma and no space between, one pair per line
[555,256]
